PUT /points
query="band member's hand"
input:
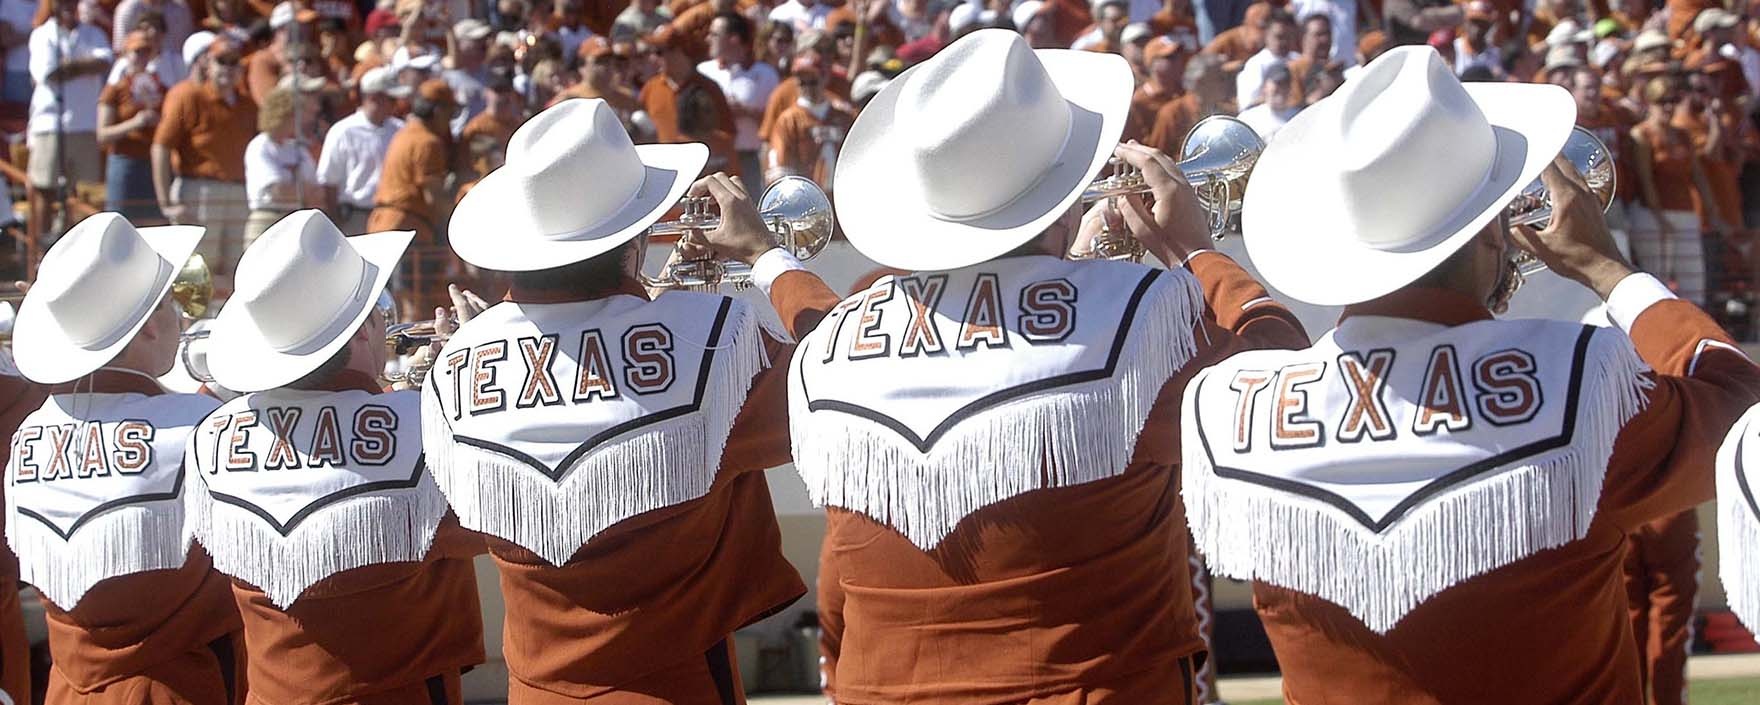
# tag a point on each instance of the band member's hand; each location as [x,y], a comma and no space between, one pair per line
[1103,217]
[465,305]
[742,235]
[1176,225]
[1577,244]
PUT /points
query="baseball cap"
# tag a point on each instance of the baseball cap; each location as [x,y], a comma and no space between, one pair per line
[1136,32]
[472,28]
[1160,47]
[382,80]
[284,14]
[1713,18]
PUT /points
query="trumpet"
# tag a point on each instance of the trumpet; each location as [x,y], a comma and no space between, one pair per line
[794,209]
[1217,158]
[1533,206]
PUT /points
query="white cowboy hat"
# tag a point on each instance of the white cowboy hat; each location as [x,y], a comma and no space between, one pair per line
[979,149]
[303,290]
[1373,187]
[94,291]
[573,187]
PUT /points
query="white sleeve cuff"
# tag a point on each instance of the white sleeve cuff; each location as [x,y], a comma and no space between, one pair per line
[770,265]
[1187,262]
[1632,296]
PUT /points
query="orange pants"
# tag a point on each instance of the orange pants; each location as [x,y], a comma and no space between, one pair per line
[212,675]
[439,690]
[712,679]
[15,646]
[1662,584]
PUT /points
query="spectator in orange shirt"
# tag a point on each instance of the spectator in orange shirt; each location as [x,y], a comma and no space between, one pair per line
[503,113]
[198,156]
[686,106]
[128,110]
[1164,63]
[412,189]
[1239,43]
[1207,93]
[270,63]
[808,135]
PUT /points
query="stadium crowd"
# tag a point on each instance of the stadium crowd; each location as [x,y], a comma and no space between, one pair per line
[234,113]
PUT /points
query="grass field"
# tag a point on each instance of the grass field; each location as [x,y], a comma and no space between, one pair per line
[1726,691]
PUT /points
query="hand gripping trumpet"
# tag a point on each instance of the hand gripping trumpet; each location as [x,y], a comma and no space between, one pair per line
[1217,158]
[794,209]
[1533,206]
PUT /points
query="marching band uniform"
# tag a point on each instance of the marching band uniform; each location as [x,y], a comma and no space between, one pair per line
[950,570]
[610,446]
[18,397]
[353,582]
[93,484]
[1427,482]
[1738,518]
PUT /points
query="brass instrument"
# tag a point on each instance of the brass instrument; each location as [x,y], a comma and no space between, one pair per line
[192,289]
[1533,206]
[1217,158]
[796,211]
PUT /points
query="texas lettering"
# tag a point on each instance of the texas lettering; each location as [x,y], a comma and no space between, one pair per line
[81,451]
[865,328]
[303,438]
[545,370]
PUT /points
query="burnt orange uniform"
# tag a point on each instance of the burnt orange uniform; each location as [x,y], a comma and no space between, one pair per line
[692,111]
[18,398]
[1109,608]
[1476,642]
[1662,585]
[643,612]
[167,637]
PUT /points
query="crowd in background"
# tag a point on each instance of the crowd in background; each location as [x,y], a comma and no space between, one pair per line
[233,113]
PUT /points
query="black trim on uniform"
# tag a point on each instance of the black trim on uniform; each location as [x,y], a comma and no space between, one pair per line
[415,478]
[1742,478]
[177,490]
[923,444]
[227,656]
[721,670]
[436,690]
[1435,486]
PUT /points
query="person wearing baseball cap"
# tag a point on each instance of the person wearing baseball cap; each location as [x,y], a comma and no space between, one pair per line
[1478,475]
[807,137]
[353,155]
[198,155]
[94,493]
[1164,68]
[412,191]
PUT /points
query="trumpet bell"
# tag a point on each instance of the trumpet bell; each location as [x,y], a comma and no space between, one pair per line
[1217,159]
[794,209]
[1533,206]
[193,289]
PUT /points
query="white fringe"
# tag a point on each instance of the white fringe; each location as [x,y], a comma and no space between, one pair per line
[1064,437]
[664,464]
[1251,532]
[119,542]
[385,527]
[1738,539]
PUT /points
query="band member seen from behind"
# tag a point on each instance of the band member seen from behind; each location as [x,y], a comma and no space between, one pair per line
[1025,395]
[94,504]
[610,444]
[1477,476]
[354,582]
[18,398]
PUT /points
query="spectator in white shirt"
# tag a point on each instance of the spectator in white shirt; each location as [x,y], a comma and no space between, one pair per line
[68,62]
[747,84]
[1276,107]
[640,19]
[167,64]
[354,150]
[16,17]
[1281,36]
[280,176]
[570,30]
[803,14]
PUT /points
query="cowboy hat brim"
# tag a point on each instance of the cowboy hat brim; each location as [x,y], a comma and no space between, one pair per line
[240,359]
[903,234]
[1305,245]
[41,349]
[490,229]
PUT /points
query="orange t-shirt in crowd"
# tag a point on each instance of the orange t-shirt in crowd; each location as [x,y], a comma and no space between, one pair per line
[1680,19]
[1234,45]
[641,612]
[1014,606]
[483,124]
[136,144]
[788,92]
[18,399]
[795,146]
[1672,159]
[169,637]
[1561,612]
[1069,18]
[206,136]
[1722,170]
[1614,125]
[415,156]
[703,99]
[1146,103]
[1176,119]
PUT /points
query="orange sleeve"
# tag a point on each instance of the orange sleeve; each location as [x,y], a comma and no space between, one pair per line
[785,143]
[802,299]
[830,619]
[44,9]
[1662,461]
[1241,306]
[759,439]
[786,94]
[431,156]
[173,131]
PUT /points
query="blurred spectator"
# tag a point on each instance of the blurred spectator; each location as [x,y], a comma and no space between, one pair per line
[1412,21]
[68,61]
[1237,44]
[1110,19]
[1341,16]
[1164,61]
[1215,17]
[776,45]
[809,133]
[412,185]
[505,113]
[1666,237]
[179,23]
[167,61]
[1314,73]
[1474,46]
[128,111]
[1207,93]
[640,19]
[267,65]
[569,25]
[355,148]
[486,155]
[280,175]
[686,106]
[747,84]
[815,47]
[470,52]
[1561,62]
[692,25]
[801,14]
[1281,37]
[198,155]
[1276,105]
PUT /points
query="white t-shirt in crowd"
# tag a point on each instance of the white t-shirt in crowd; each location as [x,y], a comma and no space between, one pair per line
[354,156]
[745,87]
[1266,121]
[1343,14]
[1250,82]
[268,163]
[802,17]
[19,14]
[50,47]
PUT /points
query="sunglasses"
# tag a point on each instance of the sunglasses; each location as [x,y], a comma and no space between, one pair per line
[228,61]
